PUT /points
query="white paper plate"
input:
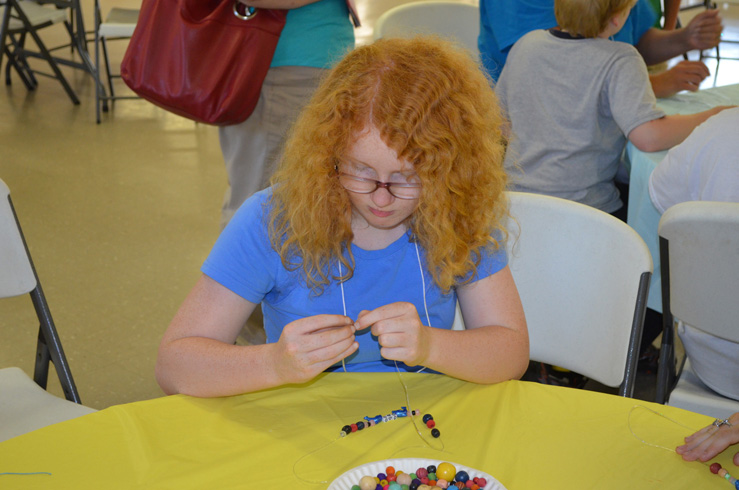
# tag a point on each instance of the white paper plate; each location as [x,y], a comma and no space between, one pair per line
[406,465]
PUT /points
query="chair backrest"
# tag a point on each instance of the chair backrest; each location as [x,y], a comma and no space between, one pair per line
[583,277]
[18,276]
[16,273]
[454,20]
[702,271]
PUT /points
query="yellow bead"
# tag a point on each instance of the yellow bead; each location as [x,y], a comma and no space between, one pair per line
[446,471]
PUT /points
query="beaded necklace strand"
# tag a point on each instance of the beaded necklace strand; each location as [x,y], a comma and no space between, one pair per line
[403,412]
[715,468]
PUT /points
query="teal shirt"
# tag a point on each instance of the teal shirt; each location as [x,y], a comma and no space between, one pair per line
[316,35]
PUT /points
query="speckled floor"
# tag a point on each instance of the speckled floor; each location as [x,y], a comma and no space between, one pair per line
[119,217]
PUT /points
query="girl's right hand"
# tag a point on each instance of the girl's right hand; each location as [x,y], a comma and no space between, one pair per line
[310,345]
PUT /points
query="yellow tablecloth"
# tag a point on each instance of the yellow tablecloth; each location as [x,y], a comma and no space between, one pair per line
[526,435]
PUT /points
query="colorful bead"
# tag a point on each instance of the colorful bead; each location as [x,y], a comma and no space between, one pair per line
[404,479]
[390,470]
[427,417]
[435,432]
[430,424]
[394,486]
[462,476]
[354,427]
[722,472]
[421,473]
[442,483]
[715,467]
[367,483]
[446,471]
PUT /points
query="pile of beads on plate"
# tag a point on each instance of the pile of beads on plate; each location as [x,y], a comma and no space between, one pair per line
[716,469]
[429,478]
[377,419]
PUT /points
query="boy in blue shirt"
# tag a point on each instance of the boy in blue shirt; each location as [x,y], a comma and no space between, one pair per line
[503,22]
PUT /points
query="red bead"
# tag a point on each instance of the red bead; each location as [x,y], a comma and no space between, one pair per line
[389,471]
[430,424]
[715,467]
[482,482]
[354,427]
[391,478]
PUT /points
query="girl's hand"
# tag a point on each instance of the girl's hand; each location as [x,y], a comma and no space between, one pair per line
[310,345]
[399,331]
[708,442]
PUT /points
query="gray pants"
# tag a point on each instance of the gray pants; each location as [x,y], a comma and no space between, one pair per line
[252,149]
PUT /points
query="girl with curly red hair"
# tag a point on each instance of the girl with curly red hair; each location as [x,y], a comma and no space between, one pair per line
[386,211]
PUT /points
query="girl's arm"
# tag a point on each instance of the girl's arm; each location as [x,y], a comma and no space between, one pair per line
[197,355]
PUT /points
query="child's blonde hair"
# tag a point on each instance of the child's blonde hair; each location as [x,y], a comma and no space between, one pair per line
[588,18]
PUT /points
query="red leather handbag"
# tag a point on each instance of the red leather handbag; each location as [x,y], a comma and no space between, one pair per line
[202,59]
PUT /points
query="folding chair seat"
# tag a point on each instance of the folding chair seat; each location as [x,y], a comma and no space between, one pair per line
[699,253]
[583,277]
[452,20]
[118,24]
[25,405]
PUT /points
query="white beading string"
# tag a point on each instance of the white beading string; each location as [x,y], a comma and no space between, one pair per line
[423,291]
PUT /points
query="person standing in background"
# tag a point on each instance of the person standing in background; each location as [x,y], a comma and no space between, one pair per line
[503,22]
[317,33]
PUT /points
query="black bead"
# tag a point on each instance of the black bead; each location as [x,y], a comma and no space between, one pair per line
[360,425]
[431,469]
[427,417]
[413,486]
[435,432]
[347,429]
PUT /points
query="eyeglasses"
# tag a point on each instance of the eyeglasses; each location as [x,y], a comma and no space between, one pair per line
[361,185]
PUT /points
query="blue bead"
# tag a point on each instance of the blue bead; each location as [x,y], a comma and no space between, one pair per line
[736,485]
[462,476]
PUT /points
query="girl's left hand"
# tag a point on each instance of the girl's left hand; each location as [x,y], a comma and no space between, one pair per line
[399,331]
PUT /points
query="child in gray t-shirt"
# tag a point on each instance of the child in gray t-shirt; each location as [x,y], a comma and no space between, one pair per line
[573,97]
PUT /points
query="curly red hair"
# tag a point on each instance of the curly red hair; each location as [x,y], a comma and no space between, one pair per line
[433,105]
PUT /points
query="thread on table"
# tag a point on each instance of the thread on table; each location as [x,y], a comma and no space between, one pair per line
[631,429]
[26,474]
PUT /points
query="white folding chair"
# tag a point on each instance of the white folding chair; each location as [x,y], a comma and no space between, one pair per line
[25,405]
[454,20]
[118,24]
[583,277]
[699,253]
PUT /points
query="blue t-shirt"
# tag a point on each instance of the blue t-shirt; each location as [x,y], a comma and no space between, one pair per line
[315,35]
[503,22]
[244,261]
